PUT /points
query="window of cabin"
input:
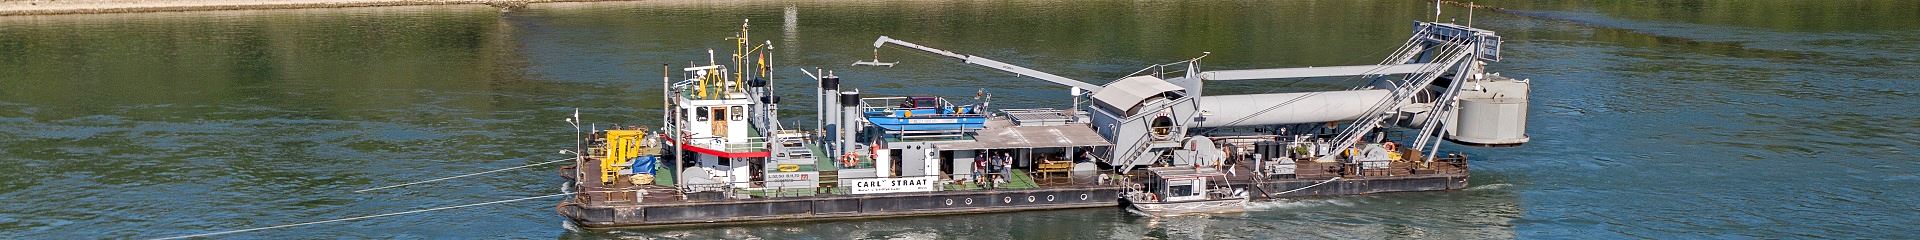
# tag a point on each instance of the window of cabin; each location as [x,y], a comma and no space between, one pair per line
[1182,190]
[925,103]
[700,114]
[736,113]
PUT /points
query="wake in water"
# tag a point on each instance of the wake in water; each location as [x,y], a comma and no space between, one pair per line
[1496,186]
[1283,204]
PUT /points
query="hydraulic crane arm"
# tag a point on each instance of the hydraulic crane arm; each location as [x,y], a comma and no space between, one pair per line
[990,63]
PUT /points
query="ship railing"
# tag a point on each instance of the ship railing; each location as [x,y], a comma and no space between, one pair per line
[1034,110]
[882,103]
[753,144]
[887,104]
[1401,172]
[943,183]
[1160,70]
[760,189]
[608,195]
[1454,164]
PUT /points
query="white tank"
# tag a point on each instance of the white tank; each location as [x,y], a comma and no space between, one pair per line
[1494,113]
[1287,108]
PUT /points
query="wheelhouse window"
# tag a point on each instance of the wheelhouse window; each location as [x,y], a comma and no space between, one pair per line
[1181,191]
[736,113]
[922,103]
[700,114]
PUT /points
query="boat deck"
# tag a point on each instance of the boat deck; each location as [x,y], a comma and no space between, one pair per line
[623,192]
[1310,170]
[623,204]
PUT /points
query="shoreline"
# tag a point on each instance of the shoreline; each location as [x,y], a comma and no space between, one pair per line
[69,7]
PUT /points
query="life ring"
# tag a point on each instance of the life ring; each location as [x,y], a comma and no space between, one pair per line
[1151,197]
[1390,146]
[849,160]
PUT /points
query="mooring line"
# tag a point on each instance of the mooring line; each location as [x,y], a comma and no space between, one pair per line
[1308,186]
[362,217]
[463,175]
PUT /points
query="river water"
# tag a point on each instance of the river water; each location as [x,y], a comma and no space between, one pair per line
[1650,119]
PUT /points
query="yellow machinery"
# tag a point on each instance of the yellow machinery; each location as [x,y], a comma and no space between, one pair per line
[622,147]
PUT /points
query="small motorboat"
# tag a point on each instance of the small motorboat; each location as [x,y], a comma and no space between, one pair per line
[1172,191]
[922,114]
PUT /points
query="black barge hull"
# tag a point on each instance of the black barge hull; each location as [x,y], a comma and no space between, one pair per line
[678,213]
[836,207]
[1274,189]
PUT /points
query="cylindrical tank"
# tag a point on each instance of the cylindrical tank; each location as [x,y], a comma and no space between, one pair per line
[829,101]
[1287,108]
[1494,114]
[849,119]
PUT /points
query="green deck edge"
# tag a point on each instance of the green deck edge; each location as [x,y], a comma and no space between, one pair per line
[662,175]
[823,162]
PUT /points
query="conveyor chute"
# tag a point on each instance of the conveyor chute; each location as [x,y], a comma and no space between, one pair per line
[1311,72]
[1287,108]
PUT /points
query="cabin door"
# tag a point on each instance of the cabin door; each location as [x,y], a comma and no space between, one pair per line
[720,122]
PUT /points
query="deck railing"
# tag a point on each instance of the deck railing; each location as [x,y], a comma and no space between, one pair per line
[753,144]
[1160,70]
[944,182]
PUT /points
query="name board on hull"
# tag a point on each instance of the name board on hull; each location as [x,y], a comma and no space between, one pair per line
[892,185]
[790,176]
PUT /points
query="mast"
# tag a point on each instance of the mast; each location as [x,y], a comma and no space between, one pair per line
[672,130]
[739,56]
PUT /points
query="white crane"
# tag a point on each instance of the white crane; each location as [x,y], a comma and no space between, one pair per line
[1147,116]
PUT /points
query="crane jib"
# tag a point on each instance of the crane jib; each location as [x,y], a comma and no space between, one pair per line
[990,63]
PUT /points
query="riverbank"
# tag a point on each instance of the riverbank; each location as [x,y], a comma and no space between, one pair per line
[57,7]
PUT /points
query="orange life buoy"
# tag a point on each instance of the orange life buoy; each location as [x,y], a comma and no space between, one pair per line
[1389,146]
[849,159]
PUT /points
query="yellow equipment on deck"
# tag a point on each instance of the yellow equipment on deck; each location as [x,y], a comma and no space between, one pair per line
[622,147]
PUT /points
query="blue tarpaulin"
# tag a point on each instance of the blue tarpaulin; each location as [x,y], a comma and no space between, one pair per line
[643,164]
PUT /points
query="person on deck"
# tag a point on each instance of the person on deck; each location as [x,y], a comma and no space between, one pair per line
[993,170]
[1006,167]
[979,165]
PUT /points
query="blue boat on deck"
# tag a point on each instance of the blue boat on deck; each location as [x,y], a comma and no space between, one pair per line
[922,114]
